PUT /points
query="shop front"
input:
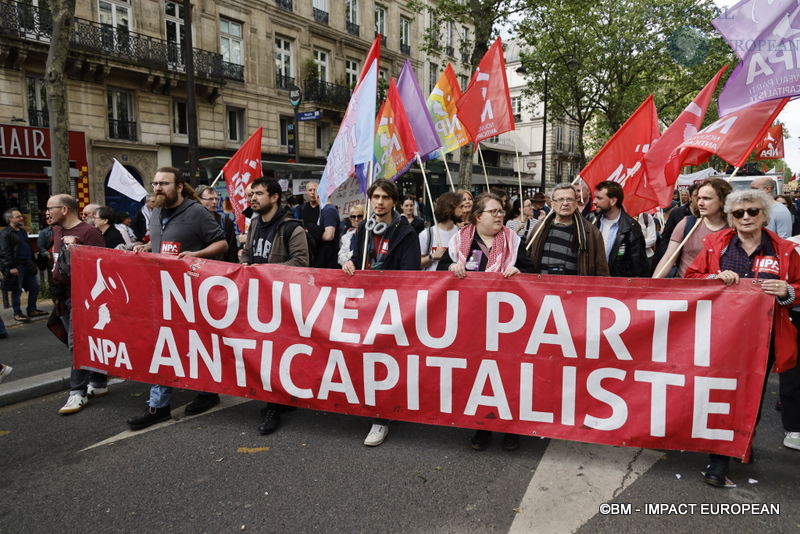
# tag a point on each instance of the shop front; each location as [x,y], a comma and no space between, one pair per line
[25,181]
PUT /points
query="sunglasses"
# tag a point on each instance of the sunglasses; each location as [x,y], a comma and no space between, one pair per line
[752,212]
[356,216]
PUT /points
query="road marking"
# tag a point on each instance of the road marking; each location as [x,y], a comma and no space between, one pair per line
[177,417]
[572,480]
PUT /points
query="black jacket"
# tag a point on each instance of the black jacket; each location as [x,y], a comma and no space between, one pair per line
[9,250]
[403,254]
[628,256]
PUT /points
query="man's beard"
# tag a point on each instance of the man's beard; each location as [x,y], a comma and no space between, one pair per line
[164,200]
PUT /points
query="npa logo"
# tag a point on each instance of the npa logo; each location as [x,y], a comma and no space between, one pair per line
[171,248]
[766,265]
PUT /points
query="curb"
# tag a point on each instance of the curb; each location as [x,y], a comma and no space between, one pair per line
[35,386]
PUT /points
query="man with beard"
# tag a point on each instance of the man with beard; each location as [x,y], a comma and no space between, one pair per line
[622,234]
[88,213]
[182,227]
[277,238]
[68,230]
[391,245]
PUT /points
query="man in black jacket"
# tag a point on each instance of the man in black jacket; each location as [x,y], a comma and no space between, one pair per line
[391,245]
[16,262]
[622,234]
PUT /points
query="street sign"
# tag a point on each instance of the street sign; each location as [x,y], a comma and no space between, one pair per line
[295,95]
[309,115]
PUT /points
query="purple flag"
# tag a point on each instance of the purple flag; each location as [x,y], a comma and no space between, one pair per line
[741,24]
[768,69]
[417,112]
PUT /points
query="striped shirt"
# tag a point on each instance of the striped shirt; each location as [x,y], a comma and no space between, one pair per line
[558,256]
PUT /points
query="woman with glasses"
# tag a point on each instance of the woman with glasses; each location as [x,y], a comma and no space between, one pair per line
[749,250]
[104,218]
[486,245]
[353,220]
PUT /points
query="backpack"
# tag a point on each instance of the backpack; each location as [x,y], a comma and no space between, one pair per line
[288,230]
[62,264]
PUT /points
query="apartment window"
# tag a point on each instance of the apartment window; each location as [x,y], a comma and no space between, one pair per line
[121,124]
[559,170]
[560,138]
[37,103]
[283,63]
[449,30]
[320,11]
[235,124]
[433,76]
[116,13]
[175,31]
[572,141]
[380,20]
[230,41]
[465,44]
[283,134]
[351,11]
[405,36]
[381,74]
[433,27]
[464,81]
[516,107]
[571,167]
[351,72]
[180,121]
[323,136]
[321,59]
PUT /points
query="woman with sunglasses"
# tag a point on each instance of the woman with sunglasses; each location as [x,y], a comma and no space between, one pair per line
[353,220]
[749,250]
[487,245]
[711,195]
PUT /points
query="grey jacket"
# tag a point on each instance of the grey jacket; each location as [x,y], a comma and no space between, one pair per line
[191,225]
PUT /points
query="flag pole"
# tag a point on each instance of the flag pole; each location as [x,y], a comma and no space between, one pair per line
[430,199]
[449,176]
[519,170]
[729,178]
[539,227]
[672,259]
[216,180]
[366,216]
[483,164]
[576,180]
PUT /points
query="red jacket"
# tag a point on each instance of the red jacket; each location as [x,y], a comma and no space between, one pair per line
[784,334]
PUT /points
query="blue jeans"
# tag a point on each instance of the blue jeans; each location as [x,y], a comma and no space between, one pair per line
[2,326]
[79,379]
[28,278]
[161,396]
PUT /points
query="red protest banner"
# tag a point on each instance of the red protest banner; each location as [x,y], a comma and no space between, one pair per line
[632,363]
[240,171]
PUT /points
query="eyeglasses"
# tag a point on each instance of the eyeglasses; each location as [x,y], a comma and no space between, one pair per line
[564,201]
[209,199]
[160,184]
[48,208]
[495,212]
[356,216]
[752,212]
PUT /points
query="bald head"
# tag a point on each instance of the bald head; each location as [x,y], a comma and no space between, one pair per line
[764,184]
[88,213]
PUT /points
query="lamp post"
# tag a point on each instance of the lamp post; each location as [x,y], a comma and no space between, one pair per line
[572,64]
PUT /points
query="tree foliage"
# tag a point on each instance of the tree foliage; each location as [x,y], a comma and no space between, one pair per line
[626,50]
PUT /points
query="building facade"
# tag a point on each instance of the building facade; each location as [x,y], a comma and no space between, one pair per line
[127,90]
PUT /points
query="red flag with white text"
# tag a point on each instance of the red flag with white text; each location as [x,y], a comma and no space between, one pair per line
[732,137]
[240,171]
[620,160]
[686,125]
[485,107]
[771,147]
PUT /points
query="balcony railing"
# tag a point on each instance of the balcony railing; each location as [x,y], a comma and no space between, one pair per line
[327,93]
[405,49]
[320,16]
[383,39]
[122,130]
[283,82]
[352,28]
[285,4]
[450,51]
[26,21]
[464,57]
[32,23]
[38,117]
[233,71]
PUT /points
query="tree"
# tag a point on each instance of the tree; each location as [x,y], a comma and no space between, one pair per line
[486,16]
[627,50]
[63,12]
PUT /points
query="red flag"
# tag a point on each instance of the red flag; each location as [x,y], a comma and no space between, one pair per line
[732,137]
[771,147]
[374,54]
[794,178]
[620,159]
[485,107]
[686,125]
[241,169]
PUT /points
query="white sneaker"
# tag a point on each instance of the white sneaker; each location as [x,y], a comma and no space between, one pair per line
[4,372]
[93,392]
[376,435]
[792,440]
[74,404]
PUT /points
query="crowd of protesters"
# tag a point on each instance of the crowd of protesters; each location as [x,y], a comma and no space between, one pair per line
[710,231]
